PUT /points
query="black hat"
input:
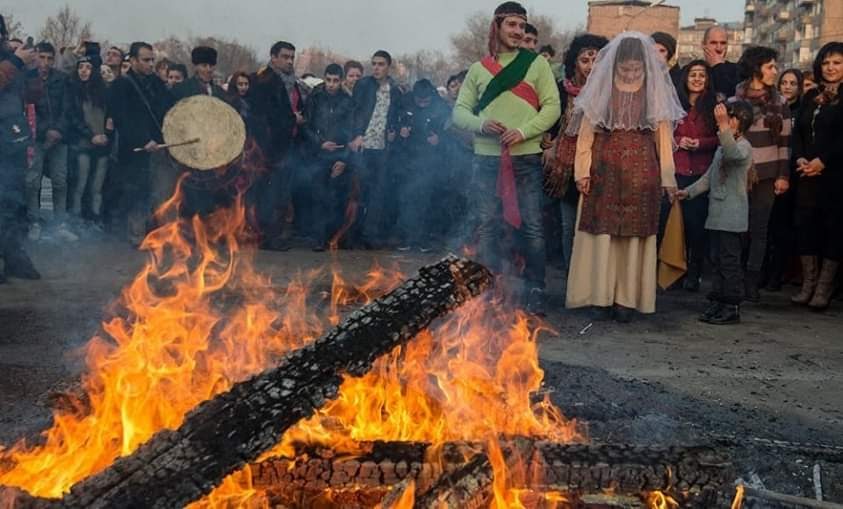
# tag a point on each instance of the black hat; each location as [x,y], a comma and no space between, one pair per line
[667,41]
[203,55]
[94,60]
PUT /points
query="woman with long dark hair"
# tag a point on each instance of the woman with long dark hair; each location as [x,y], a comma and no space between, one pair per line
[781,239]
[818,155]
[90,138]
[559,164]
[696,142]
[770,140]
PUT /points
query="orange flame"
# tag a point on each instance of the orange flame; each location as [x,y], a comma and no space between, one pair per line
[198,318]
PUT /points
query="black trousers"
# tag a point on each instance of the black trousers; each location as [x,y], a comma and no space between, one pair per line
[694,214]
[375,181]
[728,285]
[13,222]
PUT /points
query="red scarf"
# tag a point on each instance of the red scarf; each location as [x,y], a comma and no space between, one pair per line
[571,89]
[506,189]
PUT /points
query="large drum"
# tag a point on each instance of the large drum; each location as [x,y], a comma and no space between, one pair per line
[215,130]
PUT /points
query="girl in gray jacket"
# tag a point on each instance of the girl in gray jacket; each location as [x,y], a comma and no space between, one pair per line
[728,210]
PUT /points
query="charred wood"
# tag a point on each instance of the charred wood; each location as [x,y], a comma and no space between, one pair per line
[225,433]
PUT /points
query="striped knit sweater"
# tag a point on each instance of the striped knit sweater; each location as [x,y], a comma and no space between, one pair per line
[770,152]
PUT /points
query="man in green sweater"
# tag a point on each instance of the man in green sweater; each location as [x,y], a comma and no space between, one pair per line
[509,100]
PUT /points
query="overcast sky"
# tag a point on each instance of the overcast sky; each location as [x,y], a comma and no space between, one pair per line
[352,27]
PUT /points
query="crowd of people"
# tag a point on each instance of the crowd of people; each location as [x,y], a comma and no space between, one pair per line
[513,151]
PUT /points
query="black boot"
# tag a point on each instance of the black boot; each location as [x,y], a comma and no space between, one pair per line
[19,265]
[712,310]
[536,302]
[751,286]
[622,314]
[692,278]
[728,314]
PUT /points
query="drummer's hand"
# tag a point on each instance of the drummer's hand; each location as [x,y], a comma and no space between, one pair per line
[152,146]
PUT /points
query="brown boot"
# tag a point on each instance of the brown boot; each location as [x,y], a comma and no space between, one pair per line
[825,286]
[809,280]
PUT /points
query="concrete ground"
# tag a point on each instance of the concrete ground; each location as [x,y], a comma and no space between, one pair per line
[661,379]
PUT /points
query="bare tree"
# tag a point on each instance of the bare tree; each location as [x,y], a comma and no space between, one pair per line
[315,59]
[231,55]
[13,26]
[471,44]
[66,29]
[432,65]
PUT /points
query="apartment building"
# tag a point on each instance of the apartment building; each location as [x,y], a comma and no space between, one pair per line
[796,28]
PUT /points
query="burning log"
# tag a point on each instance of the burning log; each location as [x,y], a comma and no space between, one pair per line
[223,434]
[693,475]
[470,486]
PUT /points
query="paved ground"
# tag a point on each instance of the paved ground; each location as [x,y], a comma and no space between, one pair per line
[661,379]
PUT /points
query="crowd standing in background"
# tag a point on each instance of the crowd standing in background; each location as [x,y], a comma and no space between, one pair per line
[502,157]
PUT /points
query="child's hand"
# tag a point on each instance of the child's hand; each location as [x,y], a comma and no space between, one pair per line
[721,115]
[681,194]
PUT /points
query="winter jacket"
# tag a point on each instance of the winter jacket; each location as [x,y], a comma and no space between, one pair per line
[328,118]
[14,130]
[365,97]
[80,131]
[275,120]
[193,86]
[695,162]
[422,123]
[725,78]
[133,121]
[819,134]
[725,181]
[51,106]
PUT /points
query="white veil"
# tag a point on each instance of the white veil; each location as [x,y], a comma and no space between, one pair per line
[598,104]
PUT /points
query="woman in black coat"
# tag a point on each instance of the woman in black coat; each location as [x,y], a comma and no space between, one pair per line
[818,156]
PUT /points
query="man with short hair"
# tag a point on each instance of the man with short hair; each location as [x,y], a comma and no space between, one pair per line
[353,72]
[114,57]
[509,100]
[279,99]
[725,75]
[376,105]
[50,144]
[327,132]
[175,75]
[531,38]
[138,102]
[204,60]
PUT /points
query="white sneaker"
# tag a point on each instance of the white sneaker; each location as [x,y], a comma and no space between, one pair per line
[34,232]
[64,233]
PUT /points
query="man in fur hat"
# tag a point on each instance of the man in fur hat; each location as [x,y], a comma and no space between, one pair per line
[204,61]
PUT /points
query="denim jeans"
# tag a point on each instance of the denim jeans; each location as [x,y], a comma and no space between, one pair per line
[488,210]
[569,224]
[93,168]
[51,162]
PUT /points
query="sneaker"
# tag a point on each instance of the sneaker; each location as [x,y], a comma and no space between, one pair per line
[536,302]
[728,315]
[425,249]
[404,248]
[34,232]
[63,232]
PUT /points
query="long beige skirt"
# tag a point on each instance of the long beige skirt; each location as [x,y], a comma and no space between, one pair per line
[607,270]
